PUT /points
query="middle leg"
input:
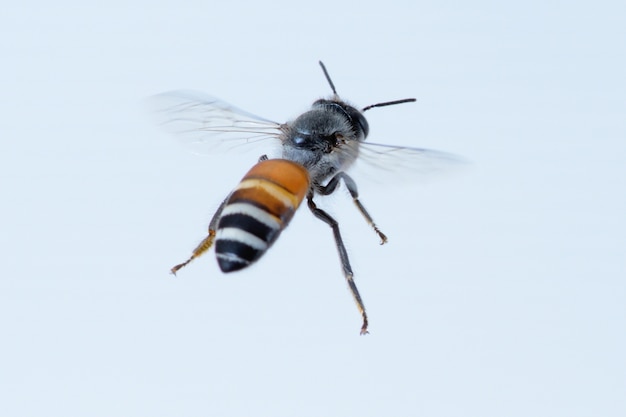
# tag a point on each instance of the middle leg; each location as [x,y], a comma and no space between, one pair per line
[343,256]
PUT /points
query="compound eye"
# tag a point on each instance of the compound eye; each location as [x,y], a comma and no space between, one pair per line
[302,140]
[362,122]
[299,140]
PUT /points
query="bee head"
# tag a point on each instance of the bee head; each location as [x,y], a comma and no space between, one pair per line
[353,116]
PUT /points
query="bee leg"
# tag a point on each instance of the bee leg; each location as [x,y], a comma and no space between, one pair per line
[343,256]
[352,188]
[207,242]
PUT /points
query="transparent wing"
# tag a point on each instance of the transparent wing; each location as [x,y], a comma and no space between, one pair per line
[387,163]
[209,125]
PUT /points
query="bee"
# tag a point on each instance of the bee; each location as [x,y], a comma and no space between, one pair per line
[317,148]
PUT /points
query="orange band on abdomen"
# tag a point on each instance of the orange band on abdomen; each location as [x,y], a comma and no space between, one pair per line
[291,176]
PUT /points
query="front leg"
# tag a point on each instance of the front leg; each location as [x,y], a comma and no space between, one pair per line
[352,188]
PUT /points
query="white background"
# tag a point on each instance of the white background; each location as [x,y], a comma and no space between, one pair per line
[501,292]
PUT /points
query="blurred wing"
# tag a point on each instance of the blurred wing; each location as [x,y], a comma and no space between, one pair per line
[387,163]
[209,125]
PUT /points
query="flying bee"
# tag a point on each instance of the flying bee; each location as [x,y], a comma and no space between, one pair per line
[316,150]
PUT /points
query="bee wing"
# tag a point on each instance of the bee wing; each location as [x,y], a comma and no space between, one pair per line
[208,125]
[387,163]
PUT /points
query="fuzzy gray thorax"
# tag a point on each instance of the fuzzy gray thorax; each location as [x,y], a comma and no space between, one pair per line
[325,139]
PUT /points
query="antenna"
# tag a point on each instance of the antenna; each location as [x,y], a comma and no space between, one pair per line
[388,103]
[332,86]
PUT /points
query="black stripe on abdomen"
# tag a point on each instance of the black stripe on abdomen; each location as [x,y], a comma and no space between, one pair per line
[233,255]
[250,225]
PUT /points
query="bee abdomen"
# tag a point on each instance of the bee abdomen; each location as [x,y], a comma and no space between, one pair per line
[258,210]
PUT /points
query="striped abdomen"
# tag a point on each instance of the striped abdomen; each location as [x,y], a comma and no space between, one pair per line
[258,210]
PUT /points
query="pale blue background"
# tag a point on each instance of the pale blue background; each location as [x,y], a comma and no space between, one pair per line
[502,290]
